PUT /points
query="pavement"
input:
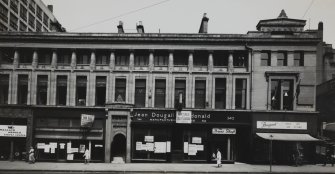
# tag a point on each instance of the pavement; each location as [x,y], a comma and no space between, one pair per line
[237,168]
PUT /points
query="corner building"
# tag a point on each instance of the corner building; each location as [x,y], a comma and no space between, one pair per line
[162,97]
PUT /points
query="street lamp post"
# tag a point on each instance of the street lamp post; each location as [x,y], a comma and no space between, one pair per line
[270,153]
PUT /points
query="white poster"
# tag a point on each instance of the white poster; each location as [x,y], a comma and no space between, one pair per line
[196,140]
[200,147]
[53,145]
[192,149]
[168,146]
[68,150]
[82,148]
[184,117]
[150,147]
[74,150]
[40,145]
[160,147]
[144,147]
[13,131]
[52,150]
[149,138]
[185,147]
[69,157]
[47,148]
[62,145]
[138,145]
[86,120]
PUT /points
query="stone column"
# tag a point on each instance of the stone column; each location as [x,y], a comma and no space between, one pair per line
[128,148]
[92,63]
[151,60]
[35,60]
[54,59]
[112,61]
[210,61]
[73,60]
[170,61]
[108,138]
[190,62]
[230,62]
[16,59]
[131,60]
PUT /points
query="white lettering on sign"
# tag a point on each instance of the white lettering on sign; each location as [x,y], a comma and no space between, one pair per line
[223,131]
[184,117]
[13,131]
[281,125]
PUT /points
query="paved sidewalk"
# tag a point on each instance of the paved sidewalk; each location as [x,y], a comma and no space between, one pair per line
[13,167]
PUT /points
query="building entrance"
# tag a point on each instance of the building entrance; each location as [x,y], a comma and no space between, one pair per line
[226,145]
[118,147]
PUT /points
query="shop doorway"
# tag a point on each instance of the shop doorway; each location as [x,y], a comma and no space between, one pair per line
[226,145]
[118,147]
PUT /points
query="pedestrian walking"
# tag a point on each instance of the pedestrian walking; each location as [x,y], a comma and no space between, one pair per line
[218,157]
[87,156]
[329,156]
[31,155]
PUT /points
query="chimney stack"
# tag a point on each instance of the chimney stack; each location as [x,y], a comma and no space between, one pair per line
[51,8]
[204,24]
[120,27]
[140,28]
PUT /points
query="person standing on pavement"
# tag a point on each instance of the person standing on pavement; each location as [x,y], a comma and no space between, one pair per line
[87,156]
[31,155]
[218,157]
[328,158]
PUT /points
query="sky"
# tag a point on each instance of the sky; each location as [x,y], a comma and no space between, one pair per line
[184,16]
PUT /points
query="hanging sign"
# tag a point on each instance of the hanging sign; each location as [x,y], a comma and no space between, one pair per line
[184,117]
[86,120]
[13,131]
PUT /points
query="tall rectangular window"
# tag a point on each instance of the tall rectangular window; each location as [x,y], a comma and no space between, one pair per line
[81,90]
[6,55]
[83,58]
[22,89]
[298,59]
[281,59]
[141,58]
[120,90]
[64,57]
[265,59]
[161,58]
[200,94]
[13,21]
[240,59]
[140,88]
[3,13]
[180,58]
[4,86]
[42,89]
[102,58]
[121,58]
[160,93]
[100,91]
[200,58]
[240,93]
[220,93]
[61,91]
[23,13]
[44,57]
[220,58]
[26,56]
[180,93]
[282,94]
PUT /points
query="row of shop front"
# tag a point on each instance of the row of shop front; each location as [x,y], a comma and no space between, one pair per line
[153,135]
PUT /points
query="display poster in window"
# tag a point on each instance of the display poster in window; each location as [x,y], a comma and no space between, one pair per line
[69,156]
[168,146]
[200,147]
[192,149]
[185,147]
[150,147]
[184,117]
[86,120]
[47,148]
[40,145]
[149,138]
[160,147]
[13,131]
[75,150]
[138,145]
[196,140]
[82,148]
[98,145]
[69,149]
[144,147]
[62,145]
[53,145]
[52,150]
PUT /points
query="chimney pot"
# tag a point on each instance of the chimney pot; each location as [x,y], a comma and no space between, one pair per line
[120,27]
[139,27]
[204,24]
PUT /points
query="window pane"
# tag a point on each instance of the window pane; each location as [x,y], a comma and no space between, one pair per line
[4,87]
[81,90]
[265,59]
[42,89]
[180,93]
[22,93]
[200,58]
[281,59]
[220,58]
[200,94]
[120,90]
[61,90]
[241,94]
[298,59]
[220,93]
[180,58]
[140,92]
[100,90]
[160,89]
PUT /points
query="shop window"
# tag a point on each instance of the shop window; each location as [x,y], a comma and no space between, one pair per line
[81,90]
[200,58]
[240,59]
[45,57]
[141,58]
[195,142]
[120,90]
[64,57]
[102,58]
[122,58]
[282,94]
[180,58]
[240,93]
[7,55]
[298,59]
[83,57]
[26,56]
[281,59]
[4,86]
[220,58]
[160,93]
[22,89]
[100,91]
[220,93]
[161,58]
[42,89]
[180,94]
[265,58]
[200,94]
[140,91]
[61,90]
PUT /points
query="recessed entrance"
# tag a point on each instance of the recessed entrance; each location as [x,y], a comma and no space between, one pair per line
[118,148]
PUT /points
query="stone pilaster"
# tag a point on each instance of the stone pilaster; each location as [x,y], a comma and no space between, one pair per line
[93,61]
[35,60]
[54,60]
[112,61]
[230,62]
[16,59]
[190,61]
[131,60]
[170,61]
[210,61]
[73,60]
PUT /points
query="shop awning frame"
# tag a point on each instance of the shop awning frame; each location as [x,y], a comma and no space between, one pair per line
[287,137]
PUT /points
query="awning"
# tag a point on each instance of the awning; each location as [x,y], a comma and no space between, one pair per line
[287,137]
[330,127]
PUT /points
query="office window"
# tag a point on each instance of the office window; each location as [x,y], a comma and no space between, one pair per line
[4,86]
[23,13]
[3,13]
[83,57]
[44,57]
[100,91]
[160,93]
[38,26]
[32,5]
[281,59]
[265,59]
[14,5]
[180,93]
[26,56]
[6,55]
[31,21]
[64,57]
[220,58]
[161,58]
[22,89]
[220,93]
[200,94]
[42,89]
[61,91]
[120,90]
[141,58]
[298,59]
[282,94]
[23,27]
[39,12]
[180,58]
[25,2]
[240,59]
[13,21]
[200,58]
[122,58]
[140,91]
[81,90]
[240,93]
[45,20]
[102,58]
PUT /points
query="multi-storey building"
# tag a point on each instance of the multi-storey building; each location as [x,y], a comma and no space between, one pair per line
[161,97]
[27,16]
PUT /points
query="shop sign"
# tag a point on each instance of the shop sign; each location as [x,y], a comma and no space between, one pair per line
[154,116]
[184,117]
[13,131]
[281,125]
[86,120]
[224,131]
